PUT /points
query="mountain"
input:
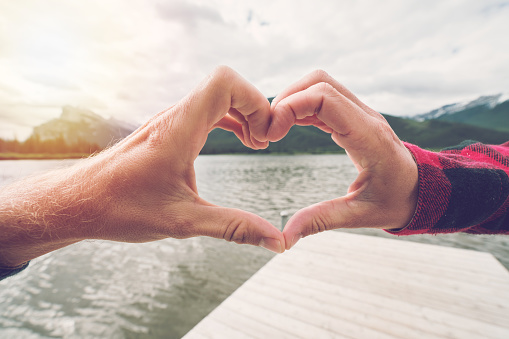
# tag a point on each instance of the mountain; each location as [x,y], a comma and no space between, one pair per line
[436,133]
[433,134]
[430,130]
[75,124]
[486,111]
[424,131]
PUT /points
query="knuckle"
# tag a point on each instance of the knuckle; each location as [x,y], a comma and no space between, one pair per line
[327,88]
[320,220]
[287,112]
[182,228]
[324,90]
[236,231]
[220,82]
[321,75]
[223,73]
[322,86]
[159,129]
[384,132]
[323,220]
[180,220]
[318,224]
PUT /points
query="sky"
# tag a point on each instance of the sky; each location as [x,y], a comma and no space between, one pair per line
[130,59]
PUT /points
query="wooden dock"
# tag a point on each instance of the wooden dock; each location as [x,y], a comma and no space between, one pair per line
[342,285]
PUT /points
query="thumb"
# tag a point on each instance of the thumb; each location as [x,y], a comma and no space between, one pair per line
[238,226]
[343,212]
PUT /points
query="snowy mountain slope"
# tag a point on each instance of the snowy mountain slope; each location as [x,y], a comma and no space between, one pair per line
[486,111]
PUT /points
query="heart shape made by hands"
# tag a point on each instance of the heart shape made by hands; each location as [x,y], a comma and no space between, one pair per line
[155,191]
[384,195]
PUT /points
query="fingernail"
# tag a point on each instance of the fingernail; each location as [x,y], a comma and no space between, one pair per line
[271,244]
[296,238]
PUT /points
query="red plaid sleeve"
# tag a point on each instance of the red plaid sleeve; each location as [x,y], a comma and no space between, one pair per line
[461,189]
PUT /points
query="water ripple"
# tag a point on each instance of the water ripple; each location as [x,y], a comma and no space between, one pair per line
[162,289]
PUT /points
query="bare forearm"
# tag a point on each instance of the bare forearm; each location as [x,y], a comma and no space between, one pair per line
[43,213]
[143,188]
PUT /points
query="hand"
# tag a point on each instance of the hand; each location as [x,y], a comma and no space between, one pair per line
[143,188]
[152,175]
[384,194]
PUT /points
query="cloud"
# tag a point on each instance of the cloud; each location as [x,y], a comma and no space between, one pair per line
[187,14]
[130,61]
[51,81]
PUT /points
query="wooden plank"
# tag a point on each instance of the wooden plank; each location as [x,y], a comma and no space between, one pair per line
[391,311]
[240,321]
[403,285]
[430,256]
[325,315]
[213,329]
[282,321]
[403,278]
[343,285]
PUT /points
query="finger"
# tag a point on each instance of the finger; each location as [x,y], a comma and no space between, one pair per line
[238,226]
[228,123]
[320,102]
[323,101]
[241,120]
[278,131]
[249,140]
[302,108]
[353,129]
[314,121]
[222,91]
[316,77]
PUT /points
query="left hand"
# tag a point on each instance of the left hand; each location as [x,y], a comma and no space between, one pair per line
[384,195]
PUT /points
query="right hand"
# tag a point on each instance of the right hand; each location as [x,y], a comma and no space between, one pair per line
[384,194]
[150,175]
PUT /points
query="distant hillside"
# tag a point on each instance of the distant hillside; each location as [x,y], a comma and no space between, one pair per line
[439,134]
[77,124]
[300,139]
[496,118]
[486,111]
[307,139]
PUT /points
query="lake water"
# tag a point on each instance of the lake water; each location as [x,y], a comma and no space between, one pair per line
[101,289]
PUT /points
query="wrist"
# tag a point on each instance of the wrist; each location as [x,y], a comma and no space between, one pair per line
[44,213]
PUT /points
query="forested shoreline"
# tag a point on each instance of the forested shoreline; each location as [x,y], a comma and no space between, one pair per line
[35,148]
